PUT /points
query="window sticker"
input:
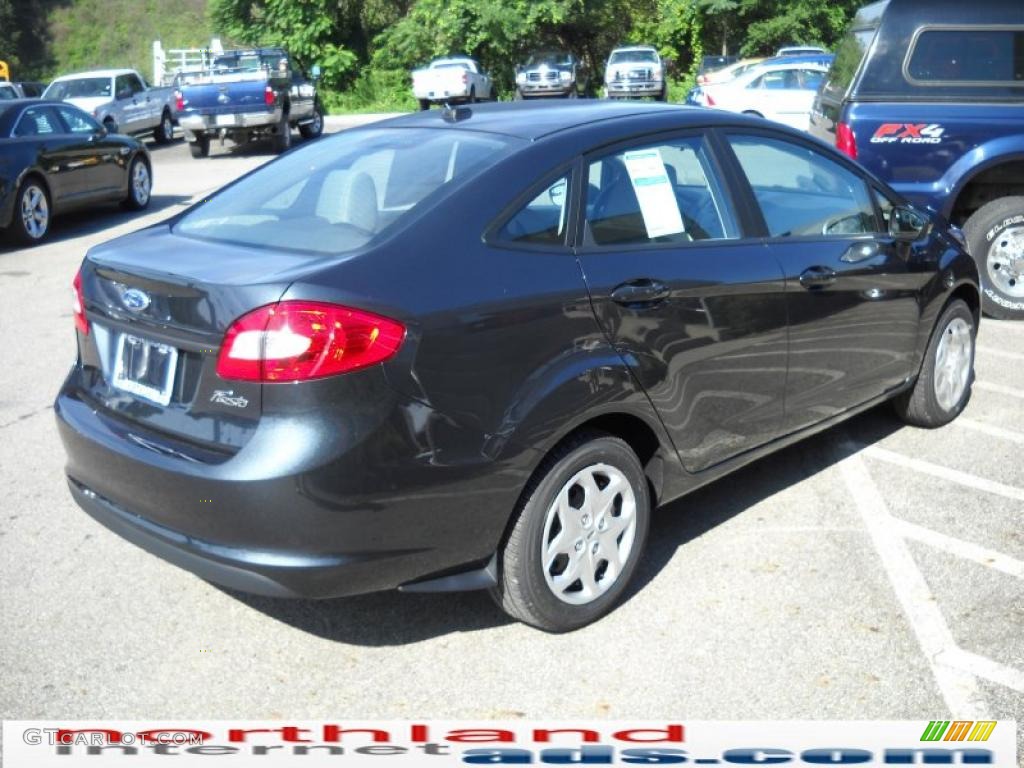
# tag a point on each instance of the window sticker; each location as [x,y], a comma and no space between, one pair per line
[654,193]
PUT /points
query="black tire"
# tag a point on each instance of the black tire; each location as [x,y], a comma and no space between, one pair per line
[986,233]
[111,125]
[36,232]
[663,96]
[424,105]
[164,133]
[921,405]
[314,129]
[200,147]
[283,135]
[573,93]
[140,185]
[523,590]
[472,95]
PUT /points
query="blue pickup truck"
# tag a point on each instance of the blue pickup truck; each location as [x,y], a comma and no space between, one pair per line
[247,95]
[929,95]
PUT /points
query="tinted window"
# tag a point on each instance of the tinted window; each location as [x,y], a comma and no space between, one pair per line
[801,192]
[77,121]
[968,55]
[38,121]
[543,219]
[32,90]
[123,86]
[335,195]
[665,193]
[849,54]
[7,92]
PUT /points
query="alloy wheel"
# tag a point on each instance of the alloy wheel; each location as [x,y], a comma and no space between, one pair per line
[35,212]
[140,183]
[953,363]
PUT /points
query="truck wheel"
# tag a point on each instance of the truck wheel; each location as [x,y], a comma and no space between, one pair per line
[314,127]
[472,95]
[995,238]
[573,93]
[140,186]
[110,125]
[424,105]
[283,135]
[164,133]
[200,147]
[577,535]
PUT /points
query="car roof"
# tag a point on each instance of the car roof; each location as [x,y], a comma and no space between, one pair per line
[95,73]
[533,120]
[635,48]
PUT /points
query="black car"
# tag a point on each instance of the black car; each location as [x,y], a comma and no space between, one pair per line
[54,157]
[474,348]
[9,91]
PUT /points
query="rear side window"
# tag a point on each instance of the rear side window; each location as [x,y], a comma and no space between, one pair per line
[801,192]
[664,193]
[542,221]
[77,121]
[38,121]
[967,55]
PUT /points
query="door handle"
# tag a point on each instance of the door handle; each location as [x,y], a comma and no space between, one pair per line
[859,252]
[817,277]
[640,292]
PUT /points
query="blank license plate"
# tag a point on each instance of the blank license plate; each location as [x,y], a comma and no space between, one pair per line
[225,120]
[145,368]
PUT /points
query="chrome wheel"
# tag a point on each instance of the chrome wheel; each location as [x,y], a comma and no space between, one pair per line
[953,363]
[35,212]
[168,128]
[318,122]
[140,183]
[589,533]
[1005,263]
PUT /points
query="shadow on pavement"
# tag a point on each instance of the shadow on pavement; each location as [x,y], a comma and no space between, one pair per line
[394,618]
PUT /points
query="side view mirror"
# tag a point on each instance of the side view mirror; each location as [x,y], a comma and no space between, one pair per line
[906,223]
[315,72]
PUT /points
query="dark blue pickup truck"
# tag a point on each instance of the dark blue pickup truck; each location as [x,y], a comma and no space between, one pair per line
[246,95]
[929,95]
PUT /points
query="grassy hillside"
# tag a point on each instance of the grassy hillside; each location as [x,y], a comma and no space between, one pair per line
[89,34]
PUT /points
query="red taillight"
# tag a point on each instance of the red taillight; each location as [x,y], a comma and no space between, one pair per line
[78,304]
[708,101]
[299,340]
[179,102]
[268,96]
[846,142]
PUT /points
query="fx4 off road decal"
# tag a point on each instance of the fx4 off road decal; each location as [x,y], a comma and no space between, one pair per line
[908,133]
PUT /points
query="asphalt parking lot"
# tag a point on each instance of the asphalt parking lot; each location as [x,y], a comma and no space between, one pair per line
[875,571]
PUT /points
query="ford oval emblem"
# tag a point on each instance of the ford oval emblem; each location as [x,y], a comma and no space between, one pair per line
[135,300]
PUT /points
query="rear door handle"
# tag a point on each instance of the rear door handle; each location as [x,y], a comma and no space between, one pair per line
[640,292]
[817,277]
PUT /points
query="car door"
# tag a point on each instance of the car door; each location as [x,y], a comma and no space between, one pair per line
[696,308]
[301,95]
[99,160]
[852,290]
[130,112]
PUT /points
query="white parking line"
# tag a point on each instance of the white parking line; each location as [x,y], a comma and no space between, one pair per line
[991,431]
[999,389]
[945,473]
[981,666]
[1001,353]
[959,688]
[964,549]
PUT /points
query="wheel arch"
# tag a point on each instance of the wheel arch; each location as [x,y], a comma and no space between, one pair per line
[967,195]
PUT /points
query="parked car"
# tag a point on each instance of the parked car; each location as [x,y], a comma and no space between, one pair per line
[928,96]
[550,73]
[728,72]
[10,91]
[54,158]
[474,349]
[120,100]
[248,95]
[635,70]
[781,92]
[799,50]
[453,79]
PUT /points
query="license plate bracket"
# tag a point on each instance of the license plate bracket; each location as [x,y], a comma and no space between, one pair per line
[145,368]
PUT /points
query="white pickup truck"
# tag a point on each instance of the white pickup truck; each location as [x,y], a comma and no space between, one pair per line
[451,80]
[120,100]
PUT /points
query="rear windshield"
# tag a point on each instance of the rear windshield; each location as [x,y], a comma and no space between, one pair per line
[335,195]
[618,57]
[248,62]
[86,87]
[968,55]
[849,54]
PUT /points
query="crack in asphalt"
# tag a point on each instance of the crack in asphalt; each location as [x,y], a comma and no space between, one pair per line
[26,416]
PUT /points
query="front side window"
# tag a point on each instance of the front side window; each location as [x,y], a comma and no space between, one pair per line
[38,121]
[543,220]
[335,195]
[77,121]
[968,55]
[801,192]
[661,193]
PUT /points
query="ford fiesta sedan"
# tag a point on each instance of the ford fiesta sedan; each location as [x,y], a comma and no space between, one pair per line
[475,348]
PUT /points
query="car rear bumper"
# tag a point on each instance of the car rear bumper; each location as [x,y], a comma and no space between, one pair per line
[203,123]
[332,525]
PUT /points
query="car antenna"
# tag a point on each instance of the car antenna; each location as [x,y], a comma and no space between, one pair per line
[452,114]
